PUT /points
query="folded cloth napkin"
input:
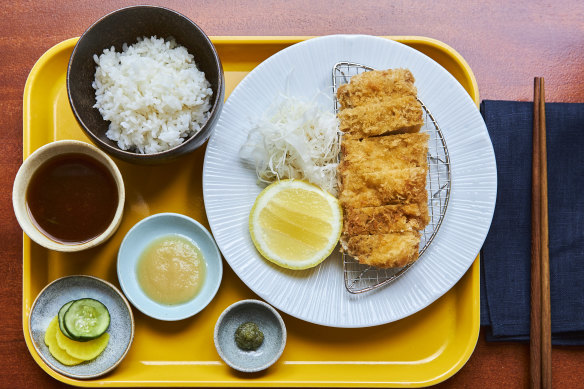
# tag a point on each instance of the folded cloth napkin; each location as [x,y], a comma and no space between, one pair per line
[506,256]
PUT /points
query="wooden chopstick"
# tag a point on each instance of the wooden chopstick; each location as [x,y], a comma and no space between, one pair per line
[540,332]
[546,333]
[535,330]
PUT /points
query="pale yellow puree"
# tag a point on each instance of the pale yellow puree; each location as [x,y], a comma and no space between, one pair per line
[171,270]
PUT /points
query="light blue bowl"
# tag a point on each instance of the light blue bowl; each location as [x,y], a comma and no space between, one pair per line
[140,236]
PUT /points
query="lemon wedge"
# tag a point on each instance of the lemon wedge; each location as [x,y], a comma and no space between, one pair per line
[295,224]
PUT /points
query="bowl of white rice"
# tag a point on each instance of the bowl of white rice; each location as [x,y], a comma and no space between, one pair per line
[146,84]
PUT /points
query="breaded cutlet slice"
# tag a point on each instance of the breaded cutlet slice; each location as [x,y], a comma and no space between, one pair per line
[389,116]
[373,189]
[385,219]
[396,249]
[385,152]
[376,85]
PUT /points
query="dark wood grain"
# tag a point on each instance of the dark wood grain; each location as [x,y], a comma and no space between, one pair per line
[546,330]
[505,43]
[535,350]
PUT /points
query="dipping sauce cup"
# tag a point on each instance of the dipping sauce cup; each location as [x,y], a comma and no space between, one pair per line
[68,196]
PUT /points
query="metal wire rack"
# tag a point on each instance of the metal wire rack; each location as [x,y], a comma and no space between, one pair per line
[362,278]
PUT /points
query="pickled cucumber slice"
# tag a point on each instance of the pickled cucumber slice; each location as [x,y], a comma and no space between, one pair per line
[57,352]
[86,319]
[61,315]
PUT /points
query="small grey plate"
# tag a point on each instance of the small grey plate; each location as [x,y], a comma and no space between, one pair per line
[121,329]
[270,323]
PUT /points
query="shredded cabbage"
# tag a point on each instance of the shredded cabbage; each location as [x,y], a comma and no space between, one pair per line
[295,139]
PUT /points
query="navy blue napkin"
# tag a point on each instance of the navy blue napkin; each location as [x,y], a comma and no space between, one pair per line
[506,257]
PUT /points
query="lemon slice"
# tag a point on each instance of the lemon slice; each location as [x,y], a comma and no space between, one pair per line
[295,224]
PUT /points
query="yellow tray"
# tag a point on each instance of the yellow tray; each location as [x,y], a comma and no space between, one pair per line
[423,349]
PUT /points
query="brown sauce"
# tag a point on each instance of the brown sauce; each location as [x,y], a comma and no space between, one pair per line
[72,198]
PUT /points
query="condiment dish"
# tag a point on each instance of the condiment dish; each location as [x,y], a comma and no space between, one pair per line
[270,324]
[125,26]
[35,161]
[121,327]
[137,241]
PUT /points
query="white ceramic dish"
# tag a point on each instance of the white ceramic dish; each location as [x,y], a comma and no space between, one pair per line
[140,236]
[318,295]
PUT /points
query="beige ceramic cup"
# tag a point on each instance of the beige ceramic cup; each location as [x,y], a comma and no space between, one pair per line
[25,173]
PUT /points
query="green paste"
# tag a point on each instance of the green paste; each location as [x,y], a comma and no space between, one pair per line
[248,336]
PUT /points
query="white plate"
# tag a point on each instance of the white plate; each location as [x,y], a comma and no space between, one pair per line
[318,295]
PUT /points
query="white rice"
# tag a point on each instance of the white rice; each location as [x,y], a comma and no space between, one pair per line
[152,93]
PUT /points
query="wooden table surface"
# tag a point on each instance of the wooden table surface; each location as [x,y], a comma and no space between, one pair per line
[506,45]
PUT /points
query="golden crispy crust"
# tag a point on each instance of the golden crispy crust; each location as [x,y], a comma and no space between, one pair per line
[385,152]
[389,116]
[382,176]
[373,189]
[391,250]
[373,86]
[385,219]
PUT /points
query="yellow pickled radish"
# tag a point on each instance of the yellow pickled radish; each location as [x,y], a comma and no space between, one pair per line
[57,352]
[83,350]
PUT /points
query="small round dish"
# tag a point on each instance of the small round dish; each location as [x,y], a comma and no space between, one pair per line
[125,26]
[34,162]
[270,323]
[121,328]
[136,241]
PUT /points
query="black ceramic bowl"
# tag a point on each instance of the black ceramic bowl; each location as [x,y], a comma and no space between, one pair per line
[126,25]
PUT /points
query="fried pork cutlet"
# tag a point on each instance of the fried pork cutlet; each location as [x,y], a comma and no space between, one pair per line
[382,173]
[374,86]
[389,116]
[396,249]
[385,219]
[385,152]
[373,189]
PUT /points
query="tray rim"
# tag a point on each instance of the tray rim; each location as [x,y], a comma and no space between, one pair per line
[246,40]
